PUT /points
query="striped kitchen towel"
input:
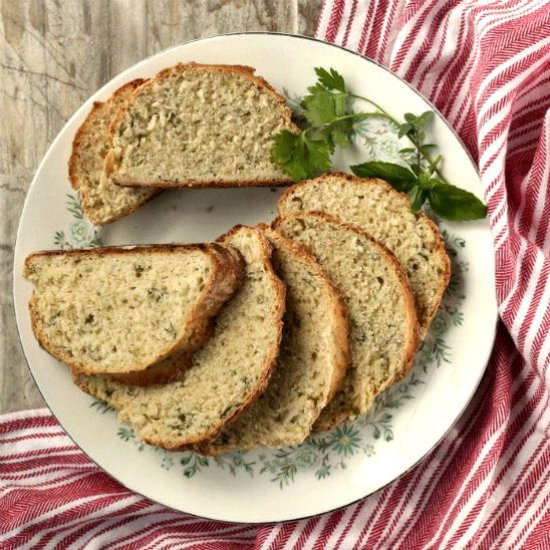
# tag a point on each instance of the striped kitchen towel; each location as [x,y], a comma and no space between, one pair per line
[486,66]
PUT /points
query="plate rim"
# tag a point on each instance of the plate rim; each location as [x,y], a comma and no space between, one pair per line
[15,274]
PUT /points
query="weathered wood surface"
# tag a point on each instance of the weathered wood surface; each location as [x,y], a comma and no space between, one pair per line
[53,55]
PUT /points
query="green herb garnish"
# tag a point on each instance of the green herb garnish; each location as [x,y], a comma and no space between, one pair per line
[328,123]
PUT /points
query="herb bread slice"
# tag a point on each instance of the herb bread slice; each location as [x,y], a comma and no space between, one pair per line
[385,214]
[119,311]
[225,376]
[312,362]
[102,201]
[195,125]
[382,316]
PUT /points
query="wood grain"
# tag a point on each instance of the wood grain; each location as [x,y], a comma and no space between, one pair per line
[53,55]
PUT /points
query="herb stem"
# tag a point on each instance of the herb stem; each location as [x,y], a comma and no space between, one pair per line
[425,156]
[374,104]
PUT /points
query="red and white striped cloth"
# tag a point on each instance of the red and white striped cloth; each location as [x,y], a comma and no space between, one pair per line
[486,65]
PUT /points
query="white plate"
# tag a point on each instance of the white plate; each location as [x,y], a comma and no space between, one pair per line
[330,470]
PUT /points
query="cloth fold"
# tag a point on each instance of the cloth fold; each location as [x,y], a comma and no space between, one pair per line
[485,64]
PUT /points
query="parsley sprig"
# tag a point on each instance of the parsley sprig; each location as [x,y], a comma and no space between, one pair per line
[327,117]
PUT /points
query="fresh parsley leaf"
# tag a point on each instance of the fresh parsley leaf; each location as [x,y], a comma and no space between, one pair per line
[326,112]
[400,177]
[455,204]
[300,157]
[319,107]
[341,132]
[332,80]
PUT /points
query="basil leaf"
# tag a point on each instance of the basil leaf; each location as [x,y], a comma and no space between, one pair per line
[417,196]
[401,178]
[455,204]
[404,129]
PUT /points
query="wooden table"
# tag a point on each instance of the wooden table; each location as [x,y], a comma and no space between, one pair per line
[53,55]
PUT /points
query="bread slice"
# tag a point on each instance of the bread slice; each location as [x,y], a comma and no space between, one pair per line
[312,362]
[120,310]
[383,325]
[225,376]
[196,125]
[385,214]
[102,201]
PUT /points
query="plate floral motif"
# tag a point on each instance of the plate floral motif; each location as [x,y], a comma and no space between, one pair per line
[80,233]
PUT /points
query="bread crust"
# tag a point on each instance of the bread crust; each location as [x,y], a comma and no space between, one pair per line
[76,157]
[411,335]
[421,215]
[225,277]
[246,72]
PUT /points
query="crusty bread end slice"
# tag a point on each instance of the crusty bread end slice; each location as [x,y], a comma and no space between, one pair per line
[226,376]
[312,362]
[102,201]
[196,125]
[382,316]
[121,310]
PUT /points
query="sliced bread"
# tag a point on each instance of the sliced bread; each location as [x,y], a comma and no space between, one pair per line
[119,311]
[385,214]
[312,361]
[382,316]
[225,376]
[196,125]
[102,201]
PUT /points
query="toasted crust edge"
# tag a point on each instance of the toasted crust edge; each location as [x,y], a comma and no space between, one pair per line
[193,184]
[196,329]
[76,153]
[411,337]
[243,70]
[440,243]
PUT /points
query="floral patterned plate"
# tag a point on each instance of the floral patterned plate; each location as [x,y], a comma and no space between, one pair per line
[331,469]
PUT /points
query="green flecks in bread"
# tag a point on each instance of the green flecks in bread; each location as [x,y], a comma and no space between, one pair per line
[380,304]
[385,214]
[121,310]
[196,125]
[312,360]
[225,376]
